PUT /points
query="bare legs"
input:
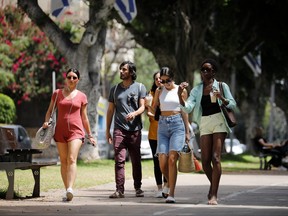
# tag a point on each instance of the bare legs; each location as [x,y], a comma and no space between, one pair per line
[211,147]
[68,153]
[168,166]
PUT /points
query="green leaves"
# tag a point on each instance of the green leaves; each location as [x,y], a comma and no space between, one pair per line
[7,109]
[27,57]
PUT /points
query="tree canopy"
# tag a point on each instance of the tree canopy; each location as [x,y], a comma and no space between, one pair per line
[180,34]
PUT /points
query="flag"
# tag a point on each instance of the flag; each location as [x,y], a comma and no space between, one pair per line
[254,62]
[58,7]
[126,9]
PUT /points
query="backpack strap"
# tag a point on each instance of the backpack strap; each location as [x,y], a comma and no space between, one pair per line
[114,93]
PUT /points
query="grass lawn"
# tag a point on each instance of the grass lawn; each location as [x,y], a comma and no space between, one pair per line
[102,171]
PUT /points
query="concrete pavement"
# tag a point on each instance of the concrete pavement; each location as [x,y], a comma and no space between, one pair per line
[260,193]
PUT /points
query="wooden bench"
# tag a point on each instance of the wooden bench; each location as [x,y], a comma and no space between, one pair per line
[16,158]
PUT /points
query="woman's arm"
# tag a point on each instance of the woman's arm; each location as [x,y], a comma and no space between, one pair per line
[181,89]
[184,95]
[49,111]
[265,144]
[109,116]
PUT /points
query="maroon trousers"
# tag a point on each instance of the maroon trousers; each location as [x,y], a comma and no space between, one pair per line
[127,140]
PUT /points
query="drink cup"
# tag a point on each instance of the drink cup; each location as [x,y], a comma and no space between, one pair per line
[212,97]
[149,99]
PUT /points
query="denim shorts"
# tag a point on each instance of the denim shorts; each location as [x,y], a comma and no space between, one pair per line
[212,124]
[171,134]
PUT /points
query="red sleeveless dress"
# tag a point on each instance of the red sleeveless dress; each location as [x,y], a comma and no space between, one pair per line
[69,122]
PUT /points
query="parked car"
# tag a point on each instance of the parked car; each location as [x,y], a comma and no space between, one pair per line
[146,152]
[106,150]
[21,135]
[237,147]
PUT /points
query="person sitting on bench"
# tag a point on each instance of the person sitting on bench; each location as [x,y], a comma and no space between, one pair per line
[277,150]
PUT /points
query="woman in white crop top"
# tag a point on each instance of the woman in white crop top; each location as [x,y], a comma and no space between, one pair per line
[173,130]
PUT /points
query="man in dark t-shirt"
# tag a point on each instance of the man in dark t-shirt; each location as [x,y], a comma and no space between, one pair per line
[126,104]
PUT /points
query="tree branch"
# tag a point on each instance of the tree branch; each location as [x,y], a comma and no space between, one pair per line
[48,26]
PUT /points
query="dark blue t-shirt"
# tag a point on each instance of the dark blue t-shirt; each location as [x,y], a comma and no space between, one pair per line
[126,100]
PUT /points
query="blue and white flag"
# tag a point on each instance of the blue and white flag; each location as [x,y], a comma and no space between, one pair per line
[126,9]
[254,62]
[59,6]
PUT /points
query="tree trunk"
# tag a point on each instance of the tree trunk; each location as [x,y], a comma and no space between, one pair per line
[85,56]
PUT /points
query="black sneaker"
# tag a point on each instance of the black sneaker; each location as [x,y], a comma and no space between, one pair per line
[139,193]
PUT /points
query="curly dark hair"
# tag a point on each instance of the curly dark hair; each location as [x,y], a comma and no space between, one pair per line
[131,67]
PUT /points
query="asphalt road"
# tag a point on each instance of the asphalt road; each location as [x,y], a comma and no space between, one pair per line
[258,194]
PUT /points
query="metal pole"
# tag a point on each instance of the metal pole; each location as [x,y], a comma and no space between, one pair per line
[233,86]
[272,99]
[54,88]
[53,81]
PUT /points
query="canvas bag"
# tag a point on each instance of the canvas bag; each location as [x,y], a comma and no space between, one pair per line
[44,136]
[186,160]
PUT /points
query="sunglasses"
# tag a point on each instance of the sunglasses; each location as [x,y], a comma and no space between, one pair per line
[73,70]
[73,77]
[166,81]
[206,70]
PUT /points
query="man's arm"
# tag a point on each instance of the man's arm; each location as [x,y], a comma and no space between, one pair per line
[130,116]
[109,116]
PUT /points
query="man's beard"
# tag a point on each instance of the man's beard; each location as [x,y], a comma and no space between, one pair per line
[123,77]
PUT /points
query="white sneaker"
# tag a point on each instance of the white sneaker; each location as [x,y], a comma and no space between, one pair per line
[165,192]
[69,194]
[170,200]
[159,194]
[282,168]
[285,159]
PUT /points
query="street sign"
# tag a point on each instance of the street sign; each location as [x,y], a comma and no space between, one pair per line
[58,6]
[126,9]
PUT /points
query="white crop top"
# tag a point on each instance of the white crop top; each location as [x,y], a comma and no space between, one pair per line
[169,100]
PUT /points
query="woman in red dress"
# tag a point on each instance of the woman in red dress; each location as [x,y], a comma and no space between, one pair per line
[72,122]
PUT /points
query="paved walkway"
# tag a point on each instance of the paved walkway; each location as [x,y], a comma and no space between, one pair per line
[261,193]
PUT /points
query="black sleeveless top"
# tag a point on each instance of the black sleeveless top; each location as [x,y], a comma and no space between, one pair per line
[209,108]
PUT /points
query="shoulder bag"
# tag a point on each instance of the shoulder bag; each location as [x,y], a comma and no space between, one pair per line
[44,136]
[228,113]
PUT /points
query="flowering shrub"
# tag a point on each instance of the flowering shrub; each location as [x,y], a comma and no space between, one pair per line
[27,53]
[7,109]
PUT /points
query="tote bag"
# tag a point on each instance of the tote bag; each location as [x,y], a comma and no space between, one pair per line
[186,160]
[44,136]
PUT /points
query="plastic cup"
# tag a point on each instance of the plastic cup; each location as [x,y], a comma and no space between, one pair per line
[212,97]
[149,100]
